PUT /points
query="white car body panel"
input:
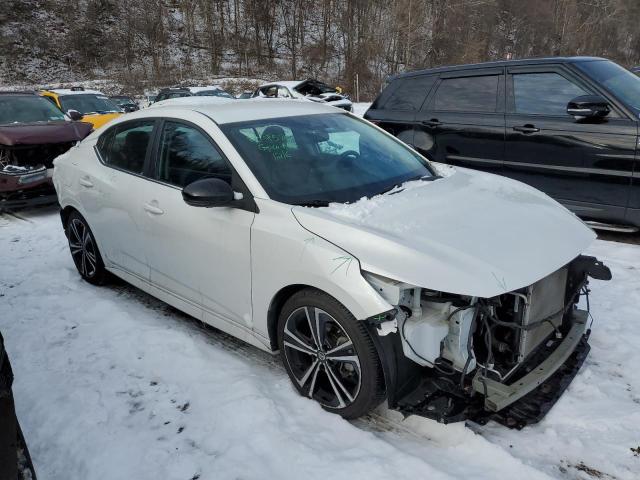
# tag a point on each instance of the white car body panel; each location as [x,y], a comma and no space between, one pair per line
[432,235]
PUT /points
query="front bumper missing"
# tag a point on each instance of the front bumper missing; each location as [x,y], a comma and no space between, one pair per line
[499,395]
[523,402]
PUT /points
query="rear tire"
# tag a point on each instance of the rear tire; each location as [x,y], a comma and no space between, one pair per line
[329,355]
[84,250]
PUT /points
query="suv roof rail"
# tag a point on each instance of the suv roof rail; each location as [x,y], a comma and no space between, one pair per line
[77,89]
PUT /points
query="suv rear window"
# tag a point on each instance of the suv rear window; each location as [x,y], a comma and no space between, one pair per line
[406,93]
[468,94]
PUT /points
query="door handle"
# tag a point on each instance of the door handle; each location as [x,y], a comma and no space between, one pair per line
[528,128]
[434,122]
[152,209]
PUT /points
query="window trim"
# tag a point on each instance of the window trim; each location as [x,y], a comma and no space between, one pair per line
[479,72]
[147,157]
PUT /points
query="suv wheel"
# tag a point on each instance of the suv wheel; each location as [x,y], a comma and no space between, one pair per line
[329,355]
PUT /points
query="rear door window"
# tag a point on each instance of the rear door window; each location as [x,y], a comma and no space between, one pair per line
[125,146]
[468,94]
[546,93]
[406,94]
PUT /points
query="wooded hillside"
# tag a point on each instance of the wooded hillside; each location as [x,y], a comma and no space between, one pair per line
[143,43]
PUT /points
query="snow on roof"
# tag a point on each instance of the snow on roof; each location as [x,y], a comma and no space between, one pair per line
[68,91]
[203,89]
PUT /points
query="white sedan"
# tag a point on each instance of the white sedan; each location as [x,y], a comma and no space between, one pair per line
[302,229]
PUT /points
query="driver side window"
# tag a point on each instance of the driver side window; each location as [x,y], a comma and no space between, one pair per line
[187,155]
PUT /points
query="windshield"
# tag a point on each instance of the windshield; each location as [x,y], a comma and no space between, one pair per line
[27,109]
[214,93]
[318,159]
[88,103]
[618,80]
[123,101]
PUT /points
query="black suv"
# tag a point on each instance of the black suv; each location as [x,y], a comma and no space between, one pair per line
[565,125]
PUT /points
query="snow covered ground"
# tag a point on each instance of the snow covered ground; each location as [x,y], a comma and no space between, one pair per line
[113,384]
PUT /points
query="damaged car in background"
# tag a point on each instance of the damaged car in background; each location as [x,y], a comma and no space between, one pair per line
[310,89]
[32,133]
[451,293]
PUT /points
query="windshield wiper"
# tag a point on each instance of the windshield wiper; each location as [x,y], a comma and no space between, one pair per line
[313,203]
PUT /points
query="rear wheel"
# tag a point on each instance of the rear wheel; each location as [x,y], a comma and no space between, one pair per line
[84,250]
[329,355]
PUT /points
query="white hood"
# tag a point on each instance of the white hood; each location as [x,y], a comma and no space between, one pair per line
[469,233]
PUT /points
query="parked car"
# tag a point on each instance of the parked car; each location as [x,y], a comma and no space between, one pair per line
[125,102]
[377,274]
[15,461]
[567,126]
[87,105]
[311,89]
[177,92]
[32,133]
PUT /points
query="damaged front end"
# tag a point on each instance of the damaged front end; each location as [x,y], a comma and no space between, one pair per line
[506,358]
[25,174]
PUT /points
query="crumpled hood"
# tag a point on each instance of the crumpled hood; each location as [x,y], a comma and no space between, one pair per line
[42,133]
[469,233]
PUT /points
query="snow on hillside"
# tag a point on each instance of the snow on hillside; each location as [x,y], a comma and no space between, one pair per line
[113,384]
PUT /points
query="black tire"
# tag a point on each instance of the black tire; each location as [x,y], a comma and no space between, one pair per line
[344,375]
[84,250]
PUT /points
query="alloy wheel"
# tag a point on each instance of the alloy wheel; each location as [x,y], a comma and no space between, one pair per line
[82,248]
[322,357]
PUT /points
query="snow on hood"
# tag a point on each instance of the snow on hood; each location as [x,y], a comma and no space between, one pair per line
[469,233]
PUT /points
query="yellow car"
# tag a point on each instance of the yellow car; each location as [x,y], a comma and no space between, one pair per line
[89,106]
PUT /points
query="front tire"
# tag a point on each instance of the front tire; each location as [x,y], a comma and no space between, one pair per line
[329,355]
[84,250]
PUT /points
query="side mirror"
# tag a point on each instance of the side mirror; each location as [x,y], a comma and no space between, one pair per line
[208,192]
[130,108]
[74,115]
[588,106]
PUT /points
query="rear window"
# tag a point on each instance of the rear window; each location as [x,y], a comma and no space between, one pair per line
[468,94]
[405,93]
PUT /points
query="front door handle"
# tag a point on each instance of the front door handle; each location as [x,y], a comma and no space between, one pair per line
[153,209]
[528,128]
[434,122]
[85,182]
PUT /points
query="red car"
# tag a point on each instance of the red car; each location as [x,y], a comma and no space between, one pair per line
[33,132]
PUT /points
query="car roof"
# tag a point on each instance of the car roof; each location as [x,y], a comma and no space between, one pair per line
[499,63]
[67,91]
[234,111]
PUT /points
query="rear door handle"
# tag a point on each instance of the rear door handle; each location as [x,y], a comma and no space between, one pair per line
[85,182]
[153,209]
[434,122]
[526,129]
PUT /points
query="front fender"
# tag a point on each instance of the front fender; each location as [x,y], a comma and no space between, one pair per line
[283,253]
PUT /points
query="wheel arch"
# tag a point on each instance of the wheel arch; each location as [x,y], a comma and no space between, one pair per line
[275,307]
